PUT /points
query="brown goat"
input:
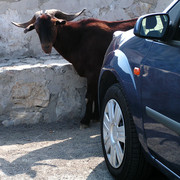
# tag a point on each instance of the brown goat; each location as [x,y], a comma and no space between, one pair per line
[82,43]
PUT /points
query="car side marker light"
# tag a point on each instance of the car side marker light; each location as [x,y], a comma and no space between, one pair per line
[137,71]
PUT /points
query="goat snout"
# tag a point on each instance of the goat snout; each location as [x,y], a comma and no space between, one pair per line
[47,48]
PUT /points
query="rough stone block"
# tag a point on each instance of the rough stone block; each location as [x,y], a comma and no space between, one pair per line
[40,90]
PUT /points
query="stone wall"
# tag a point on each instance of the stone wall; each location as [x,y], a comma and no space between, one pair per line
[14,43]
[35,88]
[40,90]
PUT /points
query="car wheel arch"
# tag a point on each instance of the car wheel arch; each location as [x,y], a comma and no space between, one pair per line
[107,80]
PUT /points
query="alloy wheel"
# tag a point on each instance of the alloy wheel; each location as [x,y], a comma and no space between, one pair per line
[114,133]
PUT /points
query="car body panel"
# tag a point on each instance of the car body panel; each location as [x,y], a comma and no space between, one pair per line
[161,92]
[117,62]
[153,96]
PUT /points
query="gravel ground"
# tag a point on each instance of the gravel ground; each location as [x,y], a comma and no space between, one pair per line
[55,151]
[51,151]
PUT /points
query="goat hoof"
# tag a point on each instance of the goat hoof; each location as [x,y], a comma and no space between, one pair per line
[84,126]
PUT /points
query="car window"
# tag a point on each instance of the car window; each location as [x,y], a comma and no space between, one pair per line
[174,12]
[177,33]
[175,20]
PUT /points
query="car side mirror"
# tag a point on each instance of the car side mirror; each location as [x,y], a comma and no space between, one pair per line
[152,26]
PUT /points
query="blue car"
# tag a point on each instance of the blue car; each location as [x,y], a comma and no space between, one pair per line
[139,97]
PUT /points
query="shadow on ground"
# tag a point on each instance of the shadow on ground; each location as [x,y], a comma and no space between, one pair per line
[67,142]
[31,150]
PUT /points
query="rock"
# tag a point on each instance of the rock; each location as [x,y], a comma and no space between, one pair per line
[45,90]
[29,95]
[22,117]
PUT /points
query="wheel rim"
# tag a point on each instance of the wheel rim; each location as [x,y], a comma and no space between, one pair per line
[114,133]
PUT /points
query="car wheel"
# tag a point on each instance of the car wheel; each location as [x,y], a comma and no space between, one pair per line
[121,148]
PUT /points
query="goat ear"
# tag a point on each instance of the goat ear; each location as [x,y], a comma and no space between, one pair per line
[60,22]
[29,28]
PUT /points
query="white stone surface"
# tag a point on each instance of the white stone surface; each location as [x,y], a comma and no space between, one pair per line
[40,90]
[14,43]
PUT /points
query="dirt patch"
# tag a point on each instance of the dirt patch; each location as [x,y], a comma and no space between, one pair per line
[54,151]
[51,151]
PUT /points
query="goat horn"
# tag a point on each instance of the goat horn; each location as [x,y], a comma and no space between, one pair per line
[26,24]
[61,15]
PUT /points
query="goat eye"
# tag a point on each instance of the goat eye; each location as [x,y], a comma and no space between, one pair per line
[58,23]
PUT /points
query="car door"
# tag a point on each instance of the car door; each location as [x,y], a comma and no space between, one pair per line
[161,103]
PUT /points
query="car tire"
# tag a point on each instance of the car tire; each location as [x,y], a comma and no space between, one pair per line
[121,148]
